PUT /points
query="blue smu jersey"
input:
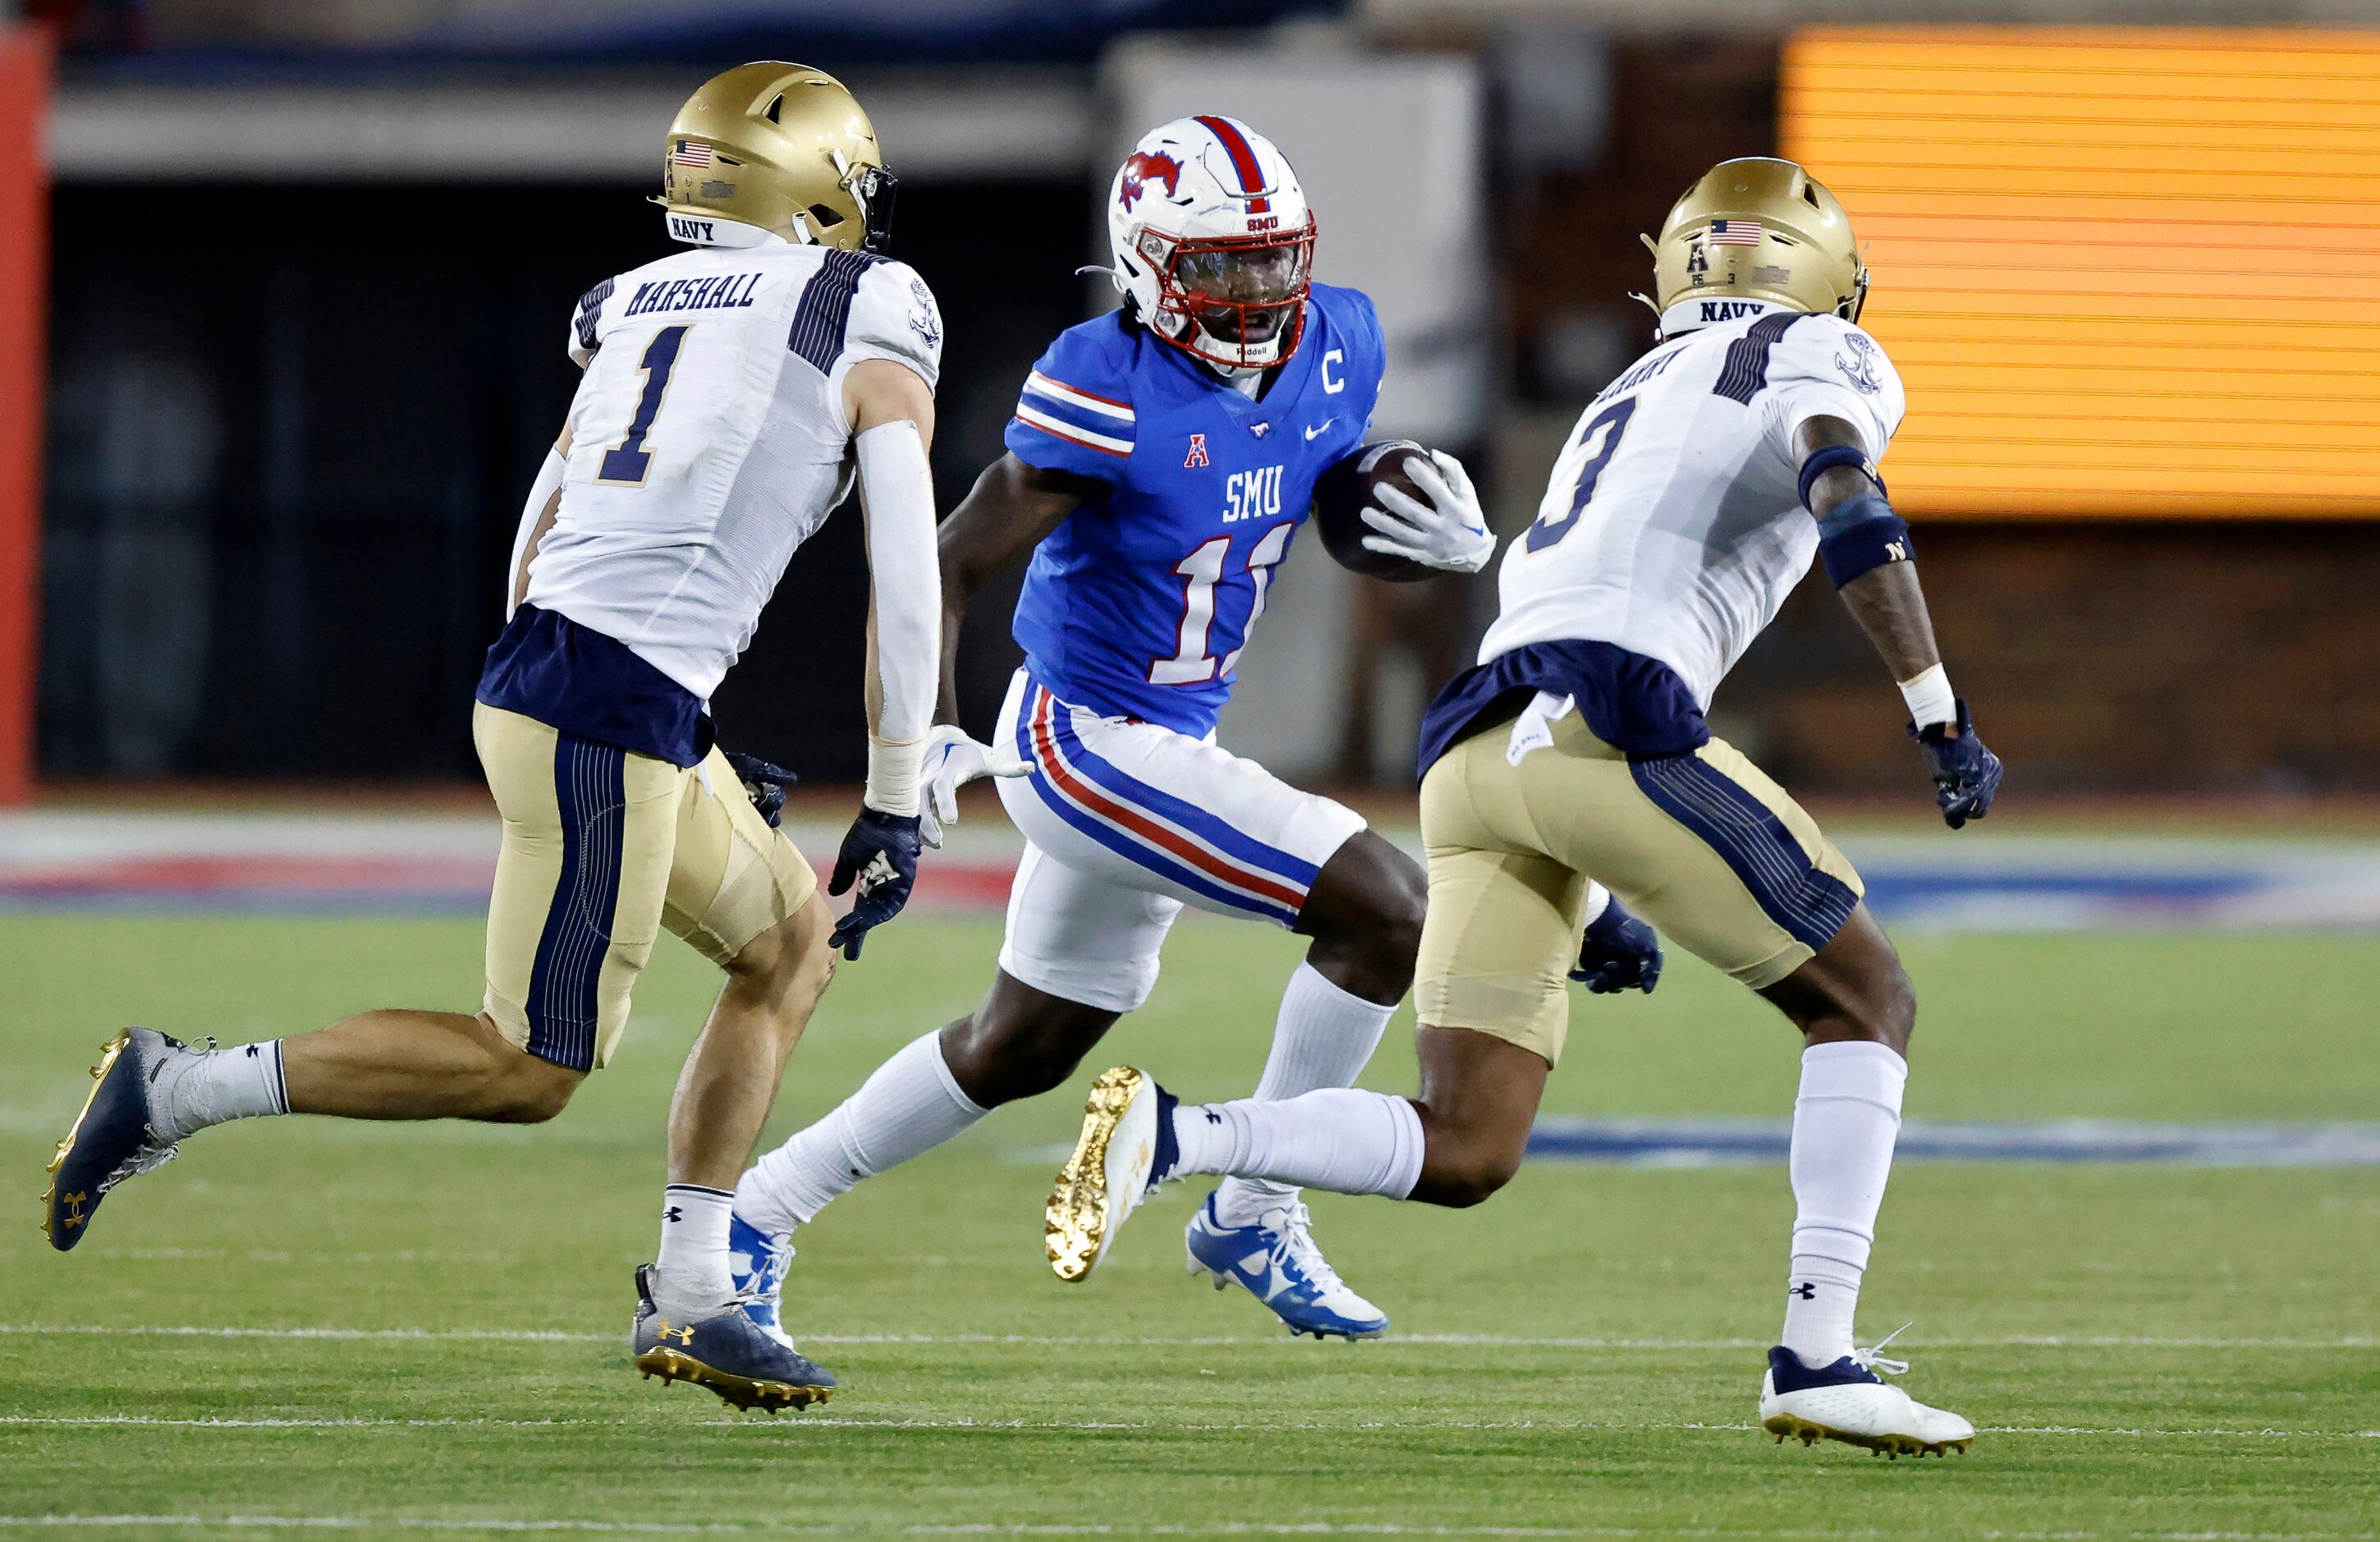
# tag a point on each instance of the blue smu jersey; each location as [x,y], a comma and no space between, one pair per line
[1138,605]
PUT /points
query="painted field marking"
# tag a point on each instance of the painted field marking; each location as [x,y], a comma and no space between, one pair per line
[996,1528]
[1763,1142]
[1181,1427]
[1227,1340]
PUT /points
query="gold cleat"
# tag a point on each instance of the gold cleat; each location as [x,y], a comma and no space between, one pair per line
[745,1392]
[76,1213]
[1783,1426]
[1107,1173]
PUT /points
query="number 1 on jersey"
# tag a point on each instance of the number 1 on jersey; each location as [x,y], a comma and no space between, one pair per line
[1201,571]
[1602,435]
[628,461]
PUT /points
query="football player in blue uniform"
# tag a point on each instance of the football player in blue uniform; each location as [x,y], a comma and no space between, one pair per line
[1161,460]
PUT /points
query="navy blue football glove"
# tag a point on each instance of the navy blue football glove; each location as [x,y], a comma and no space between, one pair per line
[1618,952]
[1965,774]
[764,783]
[880,853]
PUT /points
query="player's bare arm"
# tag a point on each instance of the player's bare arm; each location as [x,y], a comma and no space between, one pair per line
[1867,552]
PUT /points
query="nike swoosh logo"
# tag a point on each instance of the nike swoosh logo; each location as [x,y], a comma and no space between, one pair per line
[1318,428]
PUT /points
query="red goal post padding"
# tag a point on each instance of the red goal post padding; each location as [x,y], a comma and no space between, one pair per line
[24,265]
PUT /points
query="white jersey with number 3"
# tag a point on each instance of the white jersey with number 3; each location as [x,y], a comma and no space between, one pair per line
[708,439]
[1672,526]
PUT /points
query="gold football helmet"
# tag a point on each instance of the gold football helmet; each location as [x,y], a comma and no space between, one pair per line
[780,147]
[1759,230]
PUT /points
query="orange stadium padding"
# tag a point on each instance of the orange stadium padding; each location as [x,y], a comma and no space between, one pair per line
[2124,271]
[24,254]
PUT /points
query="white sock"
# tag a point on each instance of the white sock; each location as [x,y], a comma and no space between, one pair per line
[1324,1037]
[1336,1138]
[911,1104]
[1844,1123]
[198,1087]
[690,1278]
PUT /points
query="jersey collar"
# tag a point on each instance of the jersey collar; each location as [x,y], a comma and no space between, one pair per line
[1689,314]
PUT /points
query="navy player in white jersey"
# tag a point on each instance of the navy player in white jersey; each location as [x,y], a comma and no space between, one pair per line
[733,396]
[1162,462]
[1693,497]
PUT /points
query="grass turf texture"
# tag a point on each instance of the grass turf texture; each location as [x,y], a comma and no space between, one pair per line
[2236,1390]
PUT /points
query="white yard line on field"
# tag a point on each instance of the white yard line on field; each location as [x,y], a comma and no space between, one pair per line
[1114,1341]
[832,1421]
[995,1529]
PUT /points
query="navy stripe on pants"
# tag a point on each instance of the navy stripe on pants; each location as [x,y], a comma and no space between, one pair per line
[1809,904]
[564,986]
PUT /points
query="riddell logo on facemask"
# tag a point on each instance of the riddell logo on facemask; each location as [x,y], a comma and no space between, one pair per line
[1145,166]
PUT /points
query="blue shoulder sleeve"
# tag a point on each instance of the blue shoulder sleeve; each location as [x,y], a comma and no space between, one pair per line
[1367,352]
[1074,413]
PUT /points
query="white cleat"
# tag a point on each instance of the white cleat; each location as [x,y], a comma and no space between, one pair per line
[1125,1149]
[1848,1402]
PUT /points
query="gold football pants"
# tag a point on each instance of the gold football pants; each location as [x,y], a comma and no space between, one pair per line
[1703,847]
[602,849]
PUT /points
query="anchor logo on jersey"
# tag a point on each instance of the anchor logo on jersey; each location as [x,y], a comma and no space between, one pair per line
[1198,456]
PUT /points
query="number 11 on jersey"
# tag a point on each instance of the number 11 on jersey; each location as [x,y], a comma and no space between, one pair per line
[1201,572]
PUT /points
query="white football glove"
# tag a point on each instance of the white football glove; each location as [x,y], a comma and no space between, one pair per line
[1448,532]
[952,761]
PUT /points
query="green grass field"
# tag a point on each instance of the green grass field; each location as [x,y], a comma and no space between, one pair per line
[2152,1352]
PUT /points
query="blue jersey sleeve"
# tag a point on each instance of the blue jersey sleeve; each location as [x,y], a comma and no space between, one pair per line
[1074,413]
[1368,350]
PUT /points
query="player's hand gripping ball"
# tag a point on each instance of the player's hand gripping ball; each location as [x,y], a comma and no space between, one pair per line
[1393,510]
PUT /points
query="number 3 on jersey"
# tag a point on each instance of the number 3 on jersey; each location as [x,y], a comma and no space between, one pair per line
[1599,441]
[626,462]
[1201,571]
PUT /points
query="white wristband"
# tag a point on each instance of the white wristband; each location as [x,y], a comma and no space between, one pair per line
[892,775]
[1930,699]
[1598,900]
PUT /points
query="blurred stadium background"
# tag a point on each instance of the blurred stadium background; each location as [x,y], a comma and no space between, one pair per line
[282,287]
[283,291]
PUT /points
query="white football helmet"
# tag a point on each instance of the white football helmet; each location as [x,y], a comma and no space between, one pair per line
[1213,241]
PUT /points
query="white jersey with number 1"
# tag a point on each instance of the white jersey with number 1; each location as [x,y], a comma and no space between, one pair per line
[1673,527]
[708,439]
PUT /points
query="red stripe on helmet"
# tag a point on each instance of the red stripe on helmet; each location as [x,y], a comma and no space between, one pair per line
[1243,159]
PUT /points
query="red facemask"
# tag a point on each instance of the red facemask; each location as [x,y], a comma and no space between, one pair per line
[1241,294]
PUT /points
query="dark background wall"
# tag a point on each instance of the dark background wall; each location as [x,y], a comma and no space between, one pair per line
[291,434]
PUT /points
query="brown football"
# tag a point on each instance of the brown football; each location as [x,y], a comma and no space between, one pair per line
[1345,491]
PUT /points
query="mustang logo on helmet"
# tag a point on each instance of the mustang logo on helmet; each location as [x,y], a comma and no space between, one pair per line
[1145,166]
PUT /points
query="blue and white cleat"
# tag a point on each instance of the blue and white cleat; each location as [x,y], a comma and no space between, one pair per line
[757,1262]
[726,1352]
[1848,1402]
[1277,1261]
[116,1136]
[1125,1149]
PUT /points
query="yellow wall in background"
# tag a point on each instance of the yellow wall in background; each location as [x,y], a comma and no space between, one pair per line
[2122,270]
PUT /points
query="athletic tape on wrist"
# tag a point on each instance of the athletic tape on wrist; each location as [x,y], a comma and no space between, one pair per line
[1861,535]
[1823,461]
[1931,700]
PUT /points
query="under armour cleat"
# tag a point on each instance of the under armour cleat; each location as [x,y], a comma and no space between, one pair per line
[1277,1262]
[727,1353]
[116,1136]
[757,1262]
[1848,1402]
[1125,1149]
